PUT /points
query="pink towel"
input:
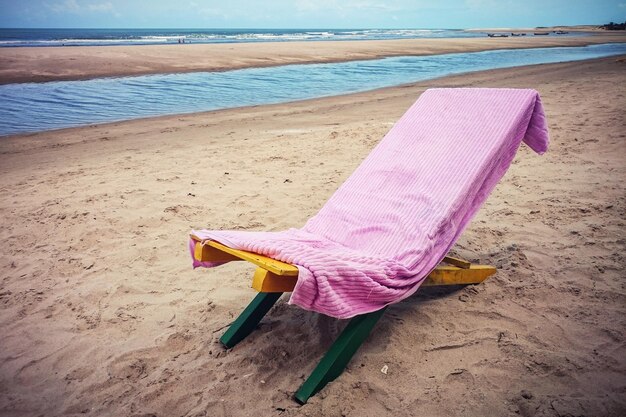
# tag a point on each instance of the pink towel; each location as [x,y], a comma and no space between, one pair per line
[396,217]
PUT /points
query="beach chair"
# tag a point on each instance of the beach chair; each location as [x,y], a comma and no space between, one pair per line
[351,261]
[272,278]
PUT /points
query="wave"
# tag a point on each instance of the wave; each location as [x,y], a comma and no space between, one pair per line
[73,37]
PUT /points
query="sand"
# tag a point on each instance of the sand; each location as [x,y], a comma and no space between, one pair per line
[531,30]
[102,315]
[82,62]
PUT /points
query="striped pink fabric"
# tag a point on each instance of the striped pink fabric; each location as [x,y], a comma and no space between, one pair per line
[396,217]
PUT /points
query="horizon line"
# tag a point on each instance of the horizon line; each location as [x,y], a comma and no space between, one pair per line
[308,28]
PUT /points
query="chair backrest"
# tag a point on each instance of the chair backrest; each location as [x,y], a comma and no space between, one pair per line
[424,181]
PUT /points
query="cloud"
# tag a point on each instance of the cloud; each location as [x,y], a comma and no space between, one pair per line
[502,8]
[338,6]
[101,7]
[73,6]
[210,12]
[67,6]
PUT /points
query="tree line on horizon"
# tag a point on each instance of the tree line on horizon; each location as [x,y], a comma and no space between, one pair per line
[614,26]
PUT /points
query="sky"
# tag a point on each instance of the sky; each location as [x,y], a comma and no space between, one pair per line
[459,14]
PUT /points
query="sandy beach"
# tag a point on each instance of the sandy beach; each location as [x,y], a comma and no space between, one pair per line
[39,64]
[102,315]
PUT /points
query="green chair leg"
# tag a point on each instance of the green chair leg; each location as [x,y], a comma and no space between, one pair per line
[339,354]
[249,318]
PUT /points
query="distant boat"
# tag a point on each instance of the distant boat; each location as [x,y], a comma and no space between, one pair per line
[561,32]
[518,34]
[541,33]
[497,35]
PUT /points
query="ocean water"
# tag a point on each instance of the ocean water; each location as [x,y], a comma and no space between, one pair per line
[31,107]
[75,37]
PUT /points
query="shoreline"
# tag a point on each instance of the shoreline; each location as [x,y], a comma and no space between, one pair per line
[44,64]
[103,315]
[576,28]
[174,116]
